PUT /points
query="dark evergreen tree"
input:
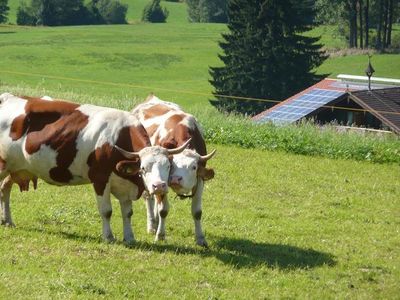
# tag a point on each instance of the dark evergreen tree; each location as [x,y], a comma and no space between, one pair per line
[207,11]
[153,12]
[3,10]
[265,55]
[112,11]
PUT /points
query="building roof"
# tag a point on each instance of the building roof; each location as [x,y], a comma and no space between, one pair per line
[382,101]
[284,113]
[384,104]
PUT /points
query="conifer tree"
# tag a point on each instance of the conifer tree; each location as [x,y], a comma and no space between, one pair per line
[153,12]
[4,8]
[265,54]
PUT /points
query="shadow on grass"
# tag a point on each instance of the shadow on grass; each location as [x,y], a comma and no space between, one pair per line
[239,253]
[243,253]
[63,234]
[7,32]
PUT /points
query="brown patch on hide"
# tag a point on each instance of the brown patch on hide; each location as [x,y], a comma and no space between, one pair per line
[18,127]
[180,133]
[39,113]
[61,136]
[2,164]
[155,111]
[52,123]
[104,160]
[151,130]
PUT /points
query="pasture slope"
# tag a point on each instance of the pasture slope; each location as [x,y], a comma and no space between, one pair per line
[278,225]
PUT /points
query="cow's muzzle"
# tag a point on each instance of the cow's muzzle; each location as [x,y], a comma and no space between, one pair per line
[159,188]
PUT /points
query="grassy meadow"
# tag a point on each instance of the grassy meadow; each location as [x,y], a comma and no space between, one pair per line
[279,224]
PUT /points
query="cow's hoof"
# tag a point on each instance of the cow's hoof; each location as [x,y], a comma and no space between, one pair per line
[7,223]
[160,237]
[151,230]
[130,242]
[109,239]
[202,242]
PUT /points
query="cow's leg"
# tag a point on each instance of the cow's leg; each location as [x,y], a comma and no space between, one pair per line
[151,219]
[127,212]
[105,210]
[163,209]
[197,212]
[5,191]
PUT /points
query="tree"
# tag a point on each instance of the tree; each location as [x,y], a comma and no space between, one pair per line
[377,14]
[207,11]
[3,10]
[112,11]
[153,12]
[25,15]
[71,12]
[264,54]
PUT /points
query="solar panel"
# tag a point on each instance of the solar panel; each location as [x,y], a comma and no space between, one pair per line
[300,106]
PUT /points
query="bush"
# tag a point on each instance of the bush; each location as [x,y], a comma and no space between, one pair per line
[71,12]
[3,10]
[207,11]
[304,138]
[112,11]
[153,12]
[25,15]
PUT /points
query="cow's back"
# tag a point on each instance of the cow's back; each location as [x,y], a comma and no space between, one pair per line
[168,125]
[57,140]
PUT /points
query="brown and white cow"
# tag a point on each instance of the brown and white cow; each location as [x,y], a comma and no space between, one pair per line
[65,143]
[169,126]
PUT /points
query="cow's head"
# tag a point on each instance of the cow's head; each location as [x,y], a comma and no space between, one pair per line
[154,166]
[187,167]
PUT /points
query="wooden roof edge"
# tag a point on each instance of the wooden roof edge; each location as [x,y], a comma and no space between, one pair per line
[359,101]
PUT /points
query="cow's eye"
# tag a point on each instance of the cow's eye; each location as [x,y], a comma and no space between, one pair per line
[194,168]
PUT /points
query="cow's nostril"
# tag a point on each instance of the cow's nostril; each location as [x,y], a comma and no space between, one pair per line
[180,178]
[164,185]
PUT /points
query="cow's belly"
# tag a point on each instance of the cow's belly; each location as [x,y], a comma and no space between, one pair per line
[46,165]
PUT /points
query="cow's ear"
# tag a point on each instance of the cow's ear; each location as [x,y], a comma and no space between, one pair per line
[128,167]
[205,173]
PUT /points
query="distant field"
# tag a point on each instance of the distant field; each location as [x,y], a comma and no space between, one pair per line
[160,58]
[130,61]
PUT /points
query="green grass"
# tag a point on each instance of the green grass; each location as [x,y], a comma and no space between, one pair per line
[385,65]
[278,225]
[304,138]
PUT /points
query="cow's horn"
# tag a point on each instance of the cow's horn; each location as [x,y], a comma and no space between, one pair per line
[208,156]
[127,154]
[179,149]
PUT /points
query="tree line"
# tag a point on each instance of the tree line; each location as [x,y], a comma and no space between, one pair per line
[80,12]
[364,23]
[71,12]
